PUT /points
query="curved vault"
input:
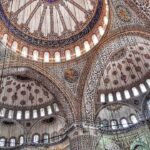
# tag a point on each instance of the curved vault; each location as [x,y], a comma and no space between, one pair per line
[56,96]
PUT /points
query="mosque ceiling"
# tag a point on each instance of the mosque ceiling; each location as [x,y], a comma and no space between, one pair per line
[67,65]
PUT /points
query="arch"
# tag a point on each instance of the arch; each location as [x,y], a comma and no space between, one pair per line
[35,55]
[19,115]
[124,122]
[34,114]
[110,97]
[12,142]
[133,119]
[77,51]
[10,114]
[42,112]
[14,46]
[21,140]
[45,138]
[129,106]
[2,141]
[5,39]
[95,39]
[105,124]
[63,97]
[46,57]
[36,138]
[102,97]
[135,91]
[24,52]
[55,107]
[101,30]
[87,46]
[42,127]
[136,144]
[18,129]
[118,96]
[68,55]
[49,109]
[105,20]
[27,114]
[127,94]
[142,88]
[57,57]
[2,112]
[114,124]
[97,68]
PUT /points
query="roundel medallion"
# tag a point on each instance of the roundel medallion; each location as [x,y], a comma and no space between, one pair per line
[71,75]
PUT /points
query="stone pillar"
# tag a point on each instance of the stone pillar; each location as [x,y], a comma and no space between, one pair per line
[83,142]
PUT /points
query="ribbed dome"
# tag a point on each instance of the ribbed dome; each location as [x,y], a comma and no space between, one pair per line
[60,30]
[50,19]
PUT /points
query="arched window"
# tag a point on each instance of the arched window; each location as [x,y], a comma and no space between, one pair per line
[19,115]
[102,97]
[135,91]
[105,124]
[35,55]
[27,114]
[49,110]
[118,96]
[133,119]
[45,138]
[143,88]
[12,142]
[86,46]
[10,114]
[101,30]
[127,94]
[105,20]
[14,46]
[42,112]
[24,52]
[94,39]
[68,54]
[36,138]
[57,57]
[114,124]
[124,123]
[2,142]
[110,97]
[56,108]
[46,57]
[77,51]
[21,140]
[5,39]
[35,114]
[2,112]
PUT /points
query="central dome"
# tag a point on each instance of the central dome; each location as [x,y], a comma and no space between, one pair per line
[51,22]
[53,30]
